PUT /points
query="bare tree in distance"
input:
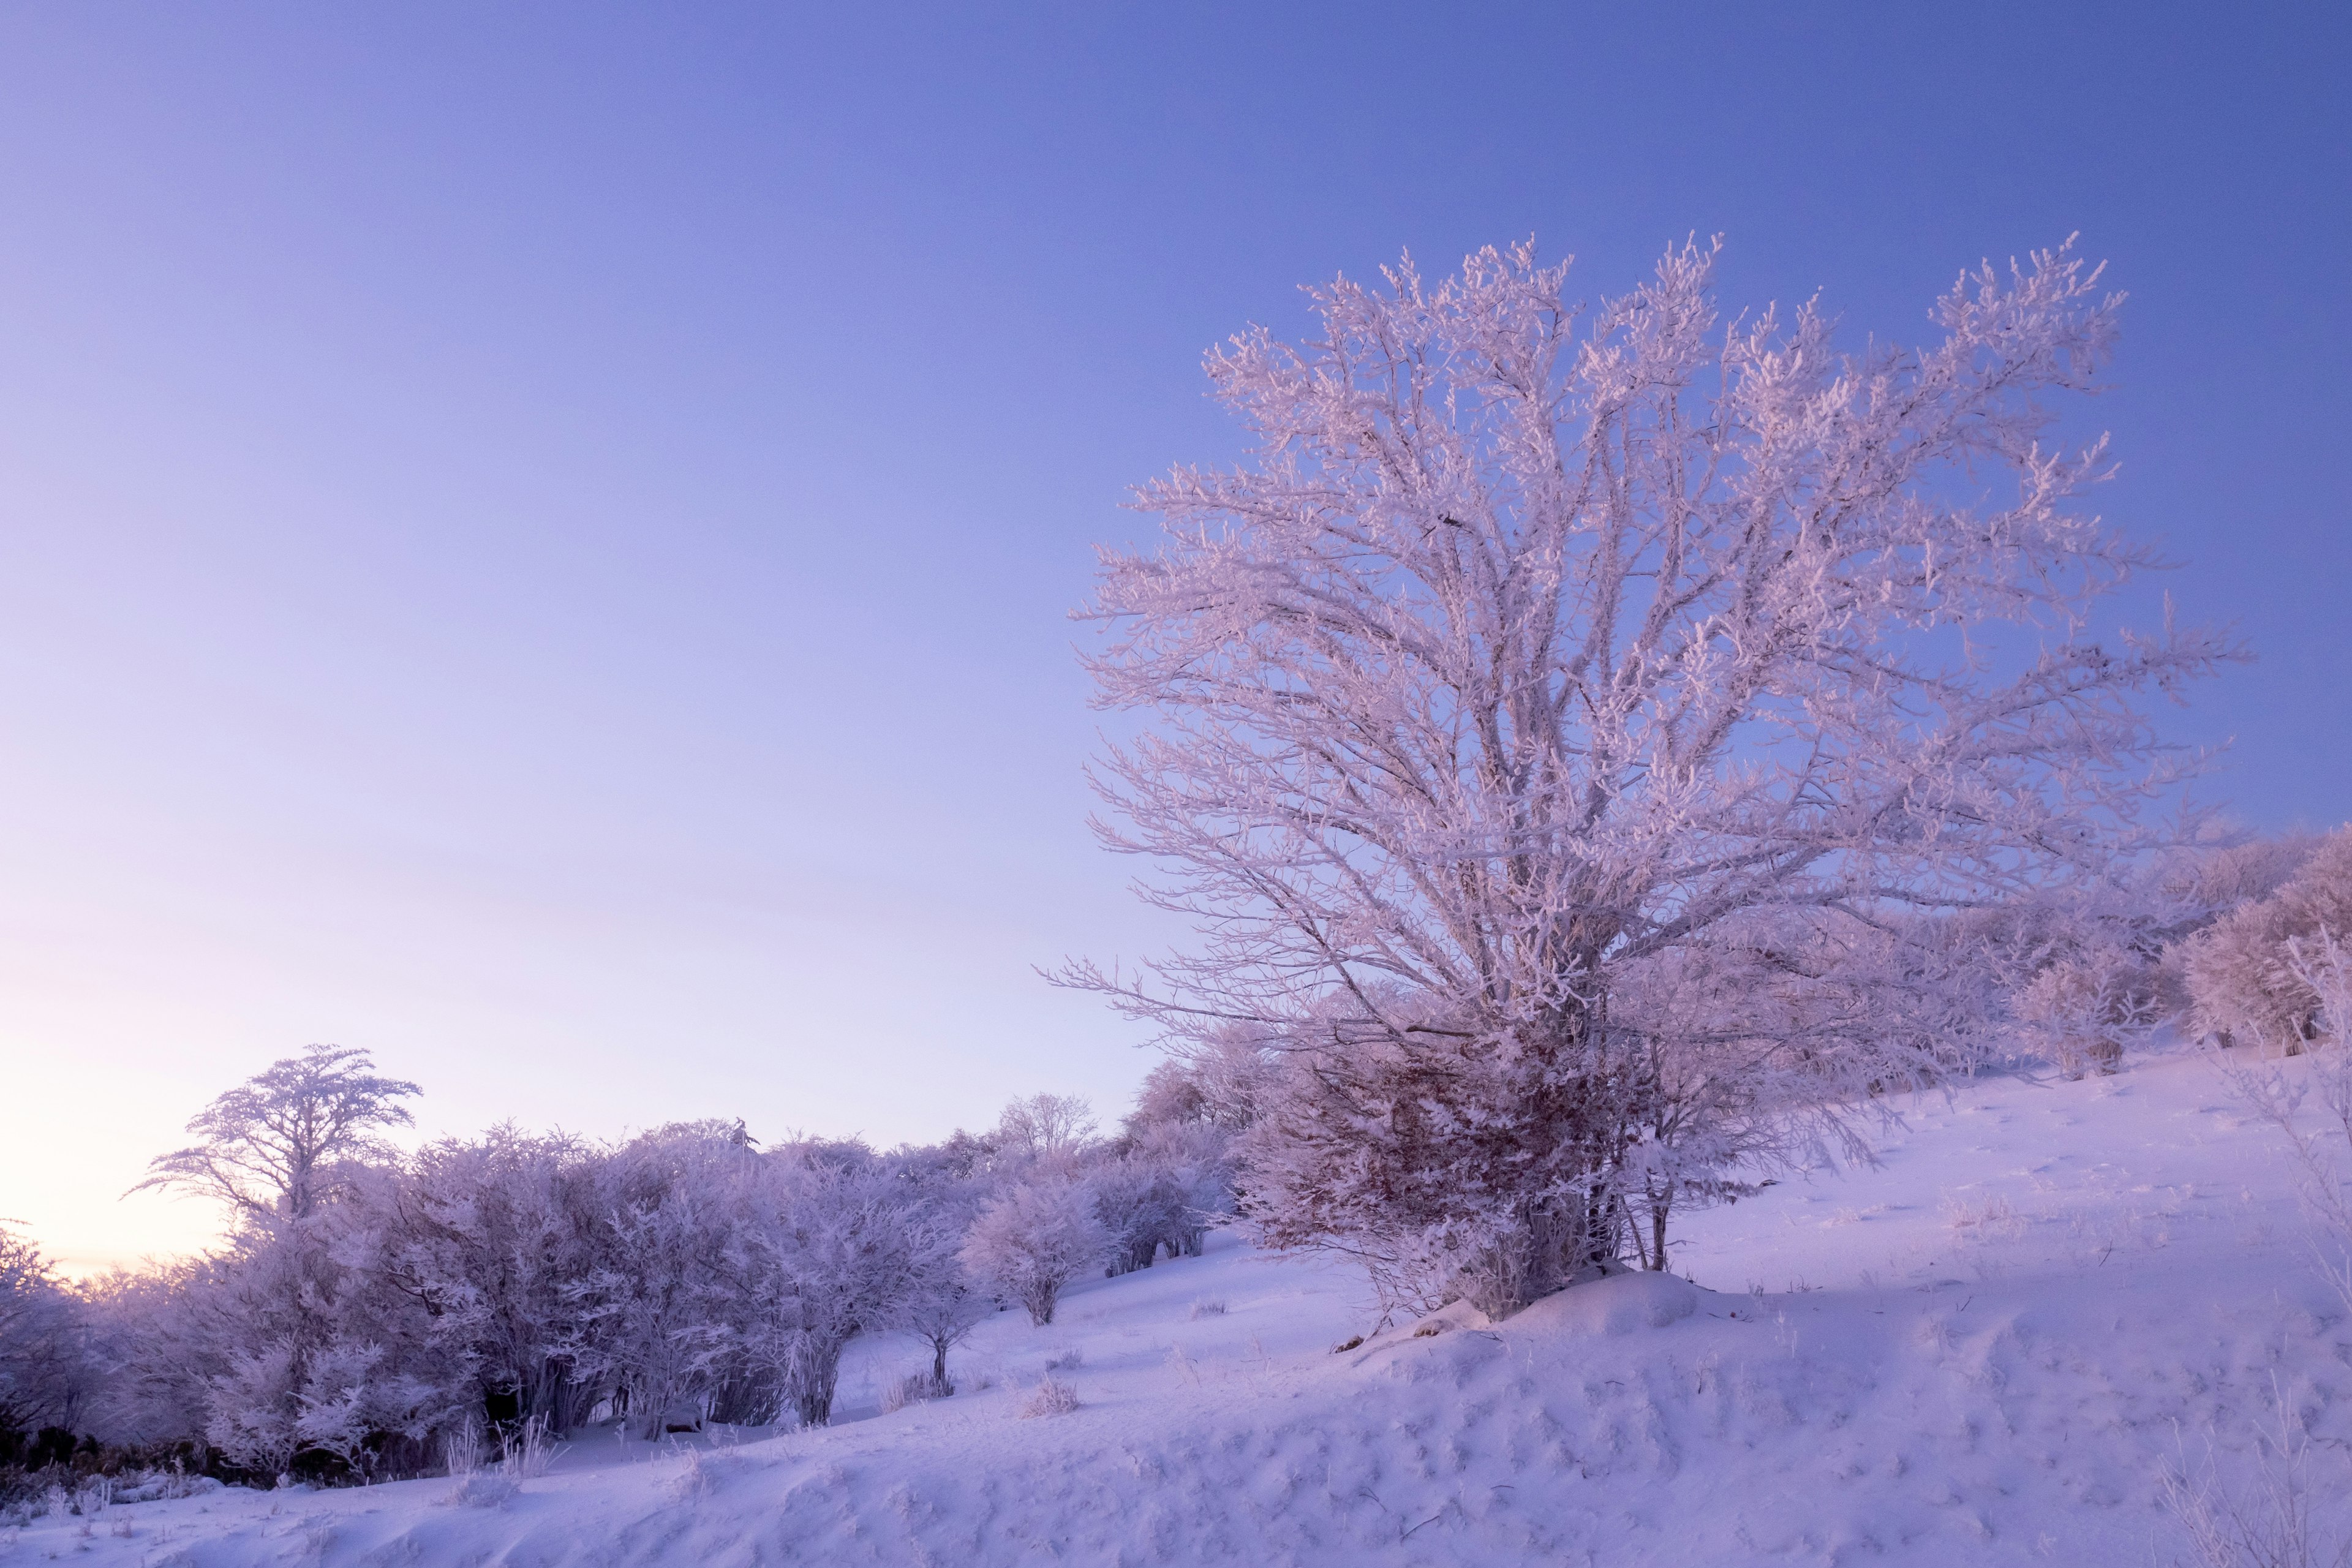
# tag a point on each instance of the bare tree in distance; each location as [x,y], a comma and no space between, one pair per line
[1566,726]
[1051,1127]
[273,1144]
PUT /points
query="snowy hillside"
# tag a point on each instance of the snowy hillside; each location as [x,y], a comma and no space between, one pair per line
[1987,1351]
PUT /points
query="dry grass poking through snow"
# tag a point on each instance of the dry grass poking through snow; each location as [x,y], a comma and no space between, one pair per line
[1051,1397]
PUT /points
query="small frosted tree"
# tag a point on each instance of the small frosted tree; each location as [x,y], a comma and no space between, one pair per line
[941,1305]
[277,1143]
[1532,652]
[1035,1239]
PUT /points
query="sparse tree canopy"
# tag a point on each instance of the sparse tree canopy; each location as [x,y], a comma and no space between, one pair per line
[273,1144]
[1052,1128]
[1563,720]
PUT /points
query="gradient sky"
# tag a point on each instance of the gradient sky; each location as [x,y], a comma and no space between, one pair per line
[536,539]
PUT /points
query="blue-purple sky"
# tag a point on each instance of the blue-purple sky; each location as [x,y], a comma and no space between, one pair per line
[536,539]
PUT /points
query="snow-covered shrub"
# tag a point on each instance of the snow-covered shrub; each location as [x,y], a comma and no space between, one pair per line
[461,1447]
[482,1489]
[1033,1240]
[2266,1523]
[2085,1009]
[528,1449]
[2325,970]
[2243,972]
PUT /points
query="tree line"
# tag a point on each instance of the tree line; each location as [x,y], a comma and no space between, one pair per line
[368,1307]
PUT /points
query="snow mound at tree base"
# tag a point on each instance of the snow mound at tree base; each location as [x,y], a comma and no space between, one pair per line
[1617,1305]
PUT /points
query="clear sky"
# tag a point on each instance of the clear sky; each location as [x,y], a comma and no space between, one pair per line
[536,539]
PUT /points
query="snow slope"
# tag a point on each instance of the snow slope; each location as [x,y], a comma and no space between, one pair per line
[1986,1350]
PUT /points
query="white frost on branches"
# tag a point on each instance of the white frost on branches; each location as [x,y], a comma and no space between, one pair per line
[278,1143]
[1570,732]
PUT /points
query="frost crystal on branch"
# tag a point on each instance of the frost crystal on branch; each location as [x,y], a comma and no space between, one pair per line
[1567,735]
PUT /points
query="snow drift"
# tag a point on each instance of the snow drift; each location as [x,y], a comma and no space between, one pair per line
[1989,1350]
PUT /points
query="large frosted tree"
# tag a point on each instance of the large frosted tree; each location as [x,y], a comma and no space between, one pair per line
[1565,730]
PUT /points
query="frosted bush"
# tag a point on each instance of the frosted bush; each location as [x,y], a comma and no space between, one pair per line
[1051,1397]
[461,1449]
[1985,1218]
[2266,1523]
[1211,1306]
[2247,974]
[2085,1008]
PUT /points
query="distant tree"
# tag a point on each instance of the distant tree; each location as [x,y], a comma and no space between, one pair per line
[1541,656]
[276,1144]
[1052,1128]
[1035,1239]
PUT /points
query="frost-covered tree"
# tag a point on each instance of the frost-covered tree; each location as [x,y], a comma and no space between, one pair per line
[1215,1083]
[278,1143]
[1141,1207]
[490,1235]
[941,1305]
[287,1350]
[835,1249]
[43,1370]
[658,1318]
[1535,654]
[1034,1239]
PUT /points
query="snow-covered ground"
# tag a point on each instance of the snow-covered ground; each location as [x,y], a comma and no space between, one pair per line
[1986,1350]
